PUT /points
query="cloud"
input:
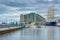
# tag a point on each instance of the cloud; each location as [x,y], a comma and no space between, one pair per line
[25,3]
[13,8]
[6,9]
[28,4]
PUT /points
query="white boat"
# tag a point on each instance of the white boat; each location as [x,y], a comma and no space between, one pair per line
[33,25]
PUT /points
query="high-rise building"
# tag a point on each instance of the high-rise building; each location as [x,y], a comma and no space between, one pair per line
[31,17]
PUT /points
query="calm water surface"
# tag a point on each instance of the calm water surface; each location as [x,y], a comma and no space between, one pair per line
[43,33]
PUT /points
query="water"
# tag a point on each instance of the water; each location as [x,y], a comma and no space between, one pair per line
[43,33]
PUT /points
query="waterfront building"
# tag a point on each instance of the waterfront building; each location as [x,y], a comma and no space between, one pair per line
[31,17]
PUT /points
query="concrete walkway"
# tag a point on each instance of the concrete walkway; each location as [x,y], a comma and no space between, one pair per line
[6,30]
[3,29]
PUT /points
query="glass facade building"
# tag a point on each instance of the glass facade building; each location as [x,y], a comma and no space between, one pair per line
[31,17]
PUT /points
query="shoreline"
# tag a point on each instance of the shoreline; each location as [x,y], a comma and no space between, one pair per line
[9,30]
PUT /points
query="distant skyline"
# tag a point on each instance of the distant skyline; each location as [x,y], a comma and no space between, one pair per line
[11,9]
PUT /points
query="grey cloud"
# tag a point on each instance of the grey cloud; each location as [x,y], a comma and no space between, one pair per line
[25,5]
[3,9]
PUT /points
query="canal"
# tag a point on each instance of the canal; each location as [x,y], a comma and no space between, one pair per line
[43,33]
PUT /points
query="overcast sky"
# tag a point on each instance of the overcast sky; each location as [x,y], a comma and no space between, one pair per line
[11,9]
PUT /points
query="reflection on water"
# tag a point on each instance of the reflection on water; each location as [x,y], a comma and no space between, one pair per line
[33,34]
[44,33]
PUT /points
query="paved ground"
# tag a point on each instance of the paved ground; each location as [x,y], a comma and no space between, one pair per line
[8,28]
[43,33]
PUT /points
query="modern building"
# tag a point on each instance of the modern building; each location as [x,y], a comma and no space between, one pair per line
[31,17]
